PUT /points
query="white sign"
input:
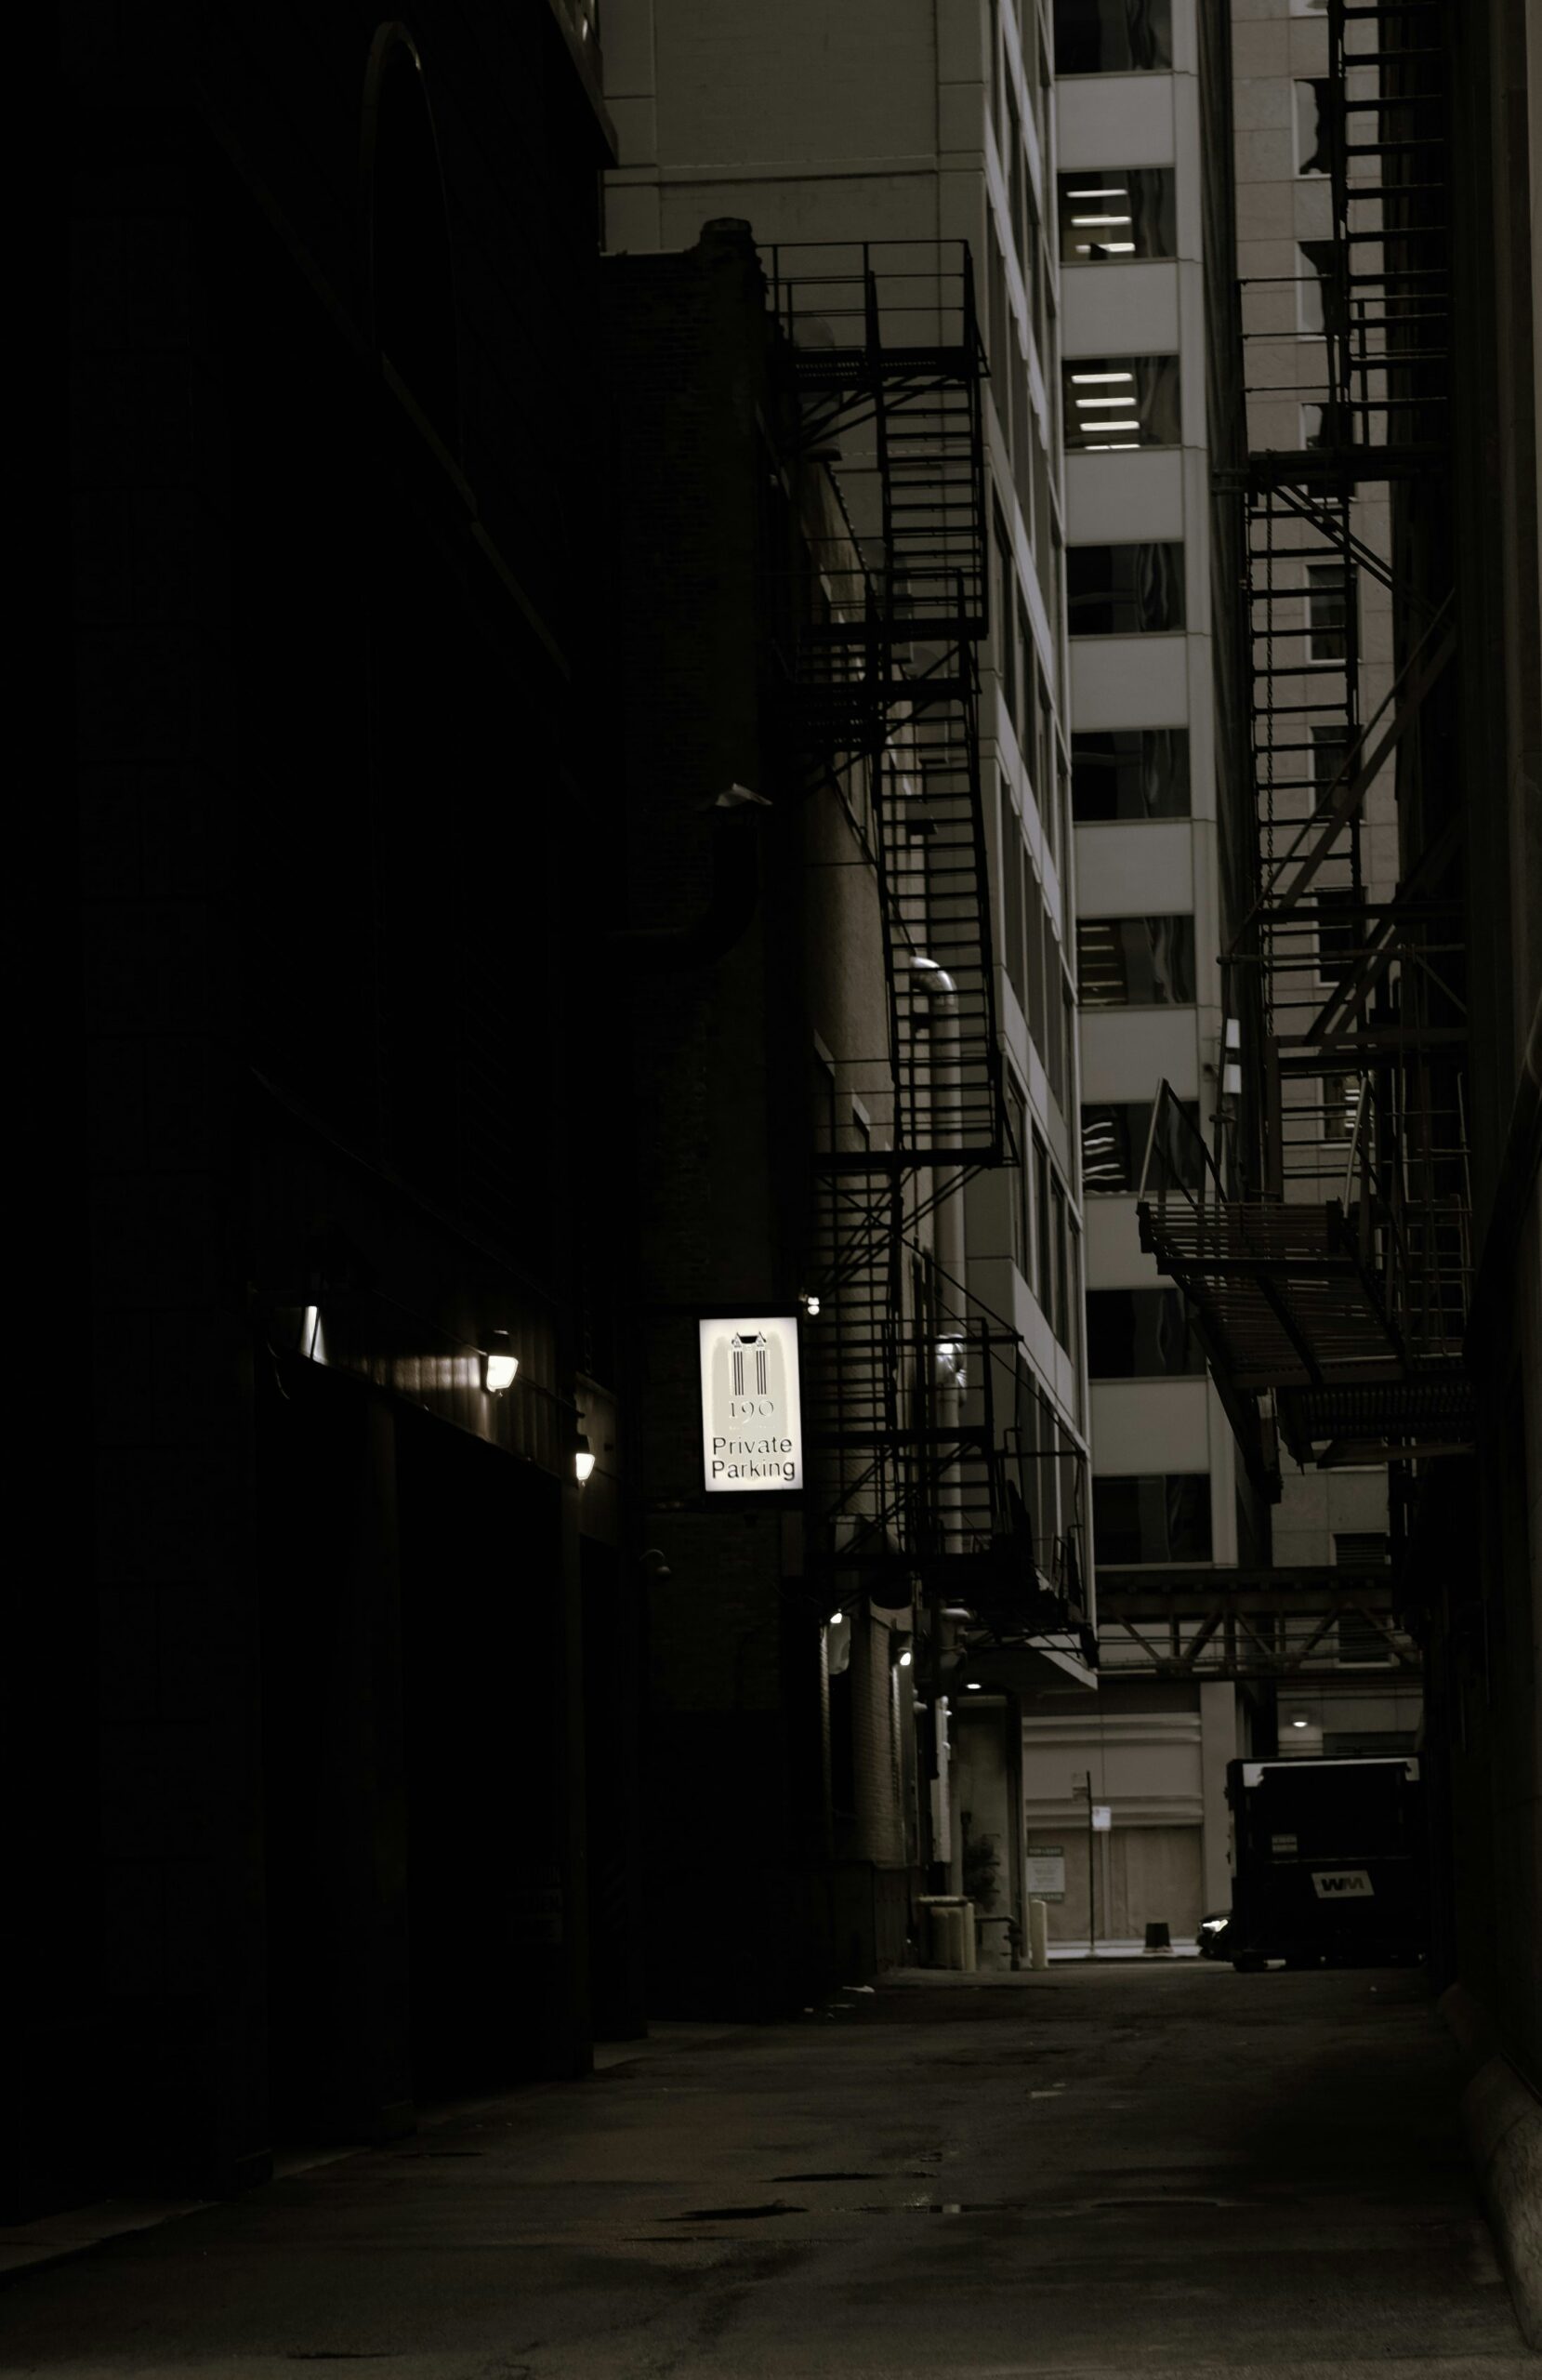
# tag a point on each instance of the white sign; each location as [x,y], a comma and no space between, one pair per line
[1103,1818]
[752,1419]
[1342,1883]
[1045,1870]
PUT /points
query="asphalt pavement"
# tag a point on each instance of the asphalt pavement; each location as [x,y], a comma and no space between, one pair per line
[1161,2167]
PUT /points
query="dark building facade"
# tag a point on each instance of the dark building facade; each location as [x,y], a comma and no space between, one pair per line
[303,1734]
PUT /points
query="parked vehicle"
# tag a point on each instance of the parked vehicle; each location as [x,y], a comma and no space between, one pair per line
[1330,1862]
[1214,1932]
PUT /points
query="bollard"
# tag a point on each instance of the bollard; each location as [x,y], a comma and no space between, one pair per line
[1038,1934]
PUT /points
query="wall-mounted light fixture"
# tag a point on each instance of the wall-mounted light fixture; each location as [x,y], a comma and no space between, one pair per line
[837,1617]
[583,1458]
[810,1303]
[499,1365]
[1300,1719]
[904,1661]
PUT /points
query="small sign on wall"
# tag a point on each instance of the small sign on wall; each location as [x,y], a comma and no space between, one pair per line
[752,1419]
[1102,1817]
[1045,1870]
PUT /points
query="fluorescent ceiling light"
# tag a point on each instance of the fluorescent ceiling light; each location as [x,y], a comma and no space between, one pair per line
[1121,192]
[1105,400]
[1084,379]
[1108,247]
[1089,222]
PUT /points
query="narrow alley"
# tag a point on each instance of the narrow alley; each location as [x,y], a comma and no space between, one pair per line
[1142,2167]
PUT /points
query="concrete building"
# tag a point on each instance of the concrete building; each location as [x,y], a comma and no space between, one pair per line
[303,1737]
[857,181]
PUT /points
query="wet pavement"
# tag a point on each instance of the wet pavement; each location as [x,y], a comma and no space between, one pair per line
[1097,2171]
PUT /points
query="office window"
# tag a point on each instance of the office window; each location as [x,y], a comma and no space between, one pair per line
[1108,214]
[1114,1147]
[1153,1517]
[1012,859]
[1113,36]
[1007,655]
[1044,1273]
[1119,401]
[1131,773]
[1125,590]
[1327,614]
[1017,1182]
[1330,751]
[1340,1106]
[1053,1026]
[1140,1334]
[1311,127]
[1136,962]
[1060,1318]
[1038,934]
[1340,931]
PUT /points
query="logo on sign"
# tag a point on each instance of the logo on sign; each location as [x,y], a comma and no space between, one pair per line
[752,1428]
[1342,1883]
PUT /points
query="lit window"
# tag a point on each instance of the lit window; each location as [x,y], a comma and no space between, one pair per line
[1126,401]
[1128,211]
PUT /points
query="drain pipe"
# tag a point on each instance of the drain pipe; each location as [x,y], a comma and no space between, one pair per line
[735,893]
[947,1358]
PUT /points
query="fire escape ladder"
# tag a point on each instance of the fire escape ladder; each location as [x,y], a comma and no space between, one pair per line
[1333,1286]
[883,352]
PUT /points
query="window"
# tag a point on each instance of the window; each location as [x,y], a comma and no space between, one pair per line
[1115,402]
[1329,750]
[1311,127]
[1340,1106]
[1125,590]
[1108,214]
[1011,897]
[1327,614]
[1131,773]
[1312,426]
[1060,1318]
[1039,935]
[1017,1182]
[1114,1147]
[1339,930]
[1140,1334]
[1007,655]
[1041,1212]
[1153,1517]
[1113,36]
[1136,962]
[1054,1028]
[1361,1644]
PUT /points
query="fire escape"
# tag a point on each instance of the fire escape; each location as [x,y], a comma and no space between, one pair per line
[1323,1245]
[928,1432]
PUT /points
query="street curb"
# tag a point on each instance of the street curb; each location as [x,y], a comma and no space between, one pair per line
[1502,2120]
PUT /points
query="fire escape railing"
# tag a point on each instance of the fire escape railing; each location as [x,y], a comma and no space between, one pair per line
[1330,1275]
[883,349]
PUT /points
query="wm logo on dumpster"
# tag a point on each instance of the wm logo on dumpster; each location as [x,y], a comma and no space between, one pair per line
[1342,1883]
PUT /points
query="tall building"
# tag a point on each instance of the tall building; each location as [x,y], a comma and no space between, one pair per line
[331,1283]
[903,219]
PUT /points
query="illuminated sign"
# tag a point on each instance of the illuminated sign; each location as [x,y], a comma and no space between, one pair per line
[752,1421]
